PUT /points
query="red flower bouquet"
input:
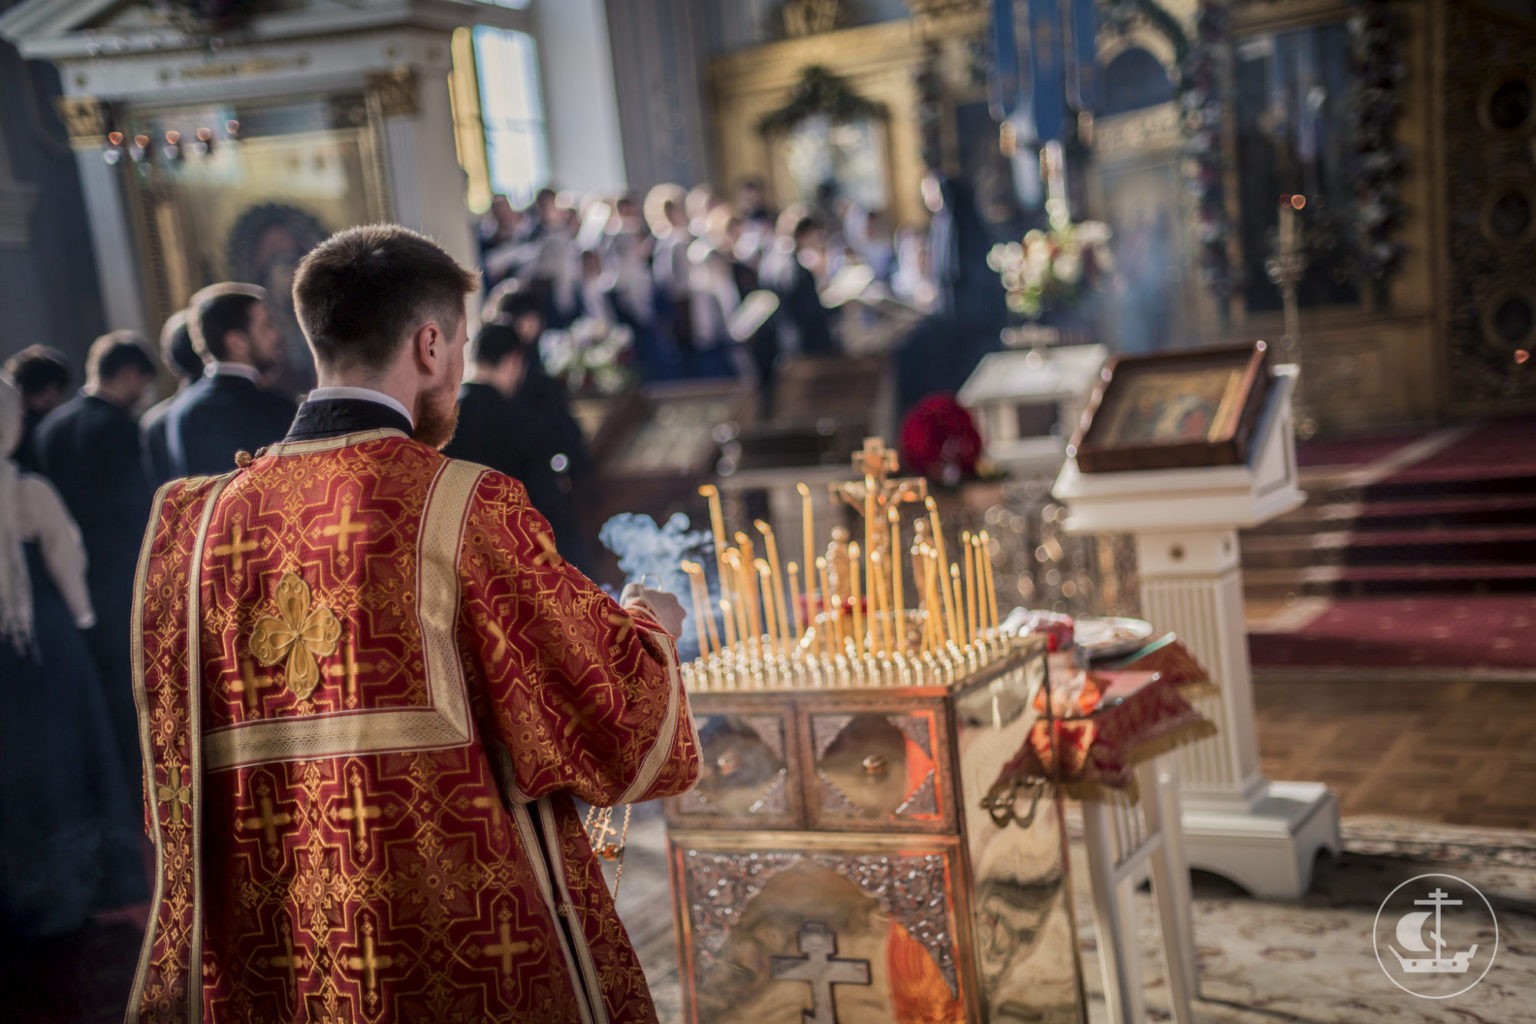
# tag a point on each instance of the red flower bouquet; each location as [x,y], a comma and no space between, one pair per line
[940,441]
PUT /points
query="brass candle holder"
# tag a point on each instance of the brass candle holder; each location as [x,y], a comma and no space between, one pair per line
[856,623]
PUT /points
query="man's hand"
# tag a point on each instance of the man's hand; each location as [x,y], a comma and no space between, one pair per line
[662,606]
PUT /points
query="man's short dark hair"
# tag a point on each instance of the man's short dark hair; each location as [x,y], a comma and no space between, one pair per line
[177,349]
[116,353]
[804,226]
[514,303]
[218,309]
[361,291]
[37,368]
[496,341]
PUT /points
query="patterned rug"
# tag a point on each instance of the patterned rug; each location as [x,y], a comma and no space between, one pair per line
[1259,961]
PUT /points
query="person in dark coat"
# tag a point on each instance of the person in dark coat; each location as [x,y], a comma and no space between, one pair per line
[530,434]
[942,351]
[229,410]
[181,357]
[42,374]
[805,324]
[487,433]
[89,448]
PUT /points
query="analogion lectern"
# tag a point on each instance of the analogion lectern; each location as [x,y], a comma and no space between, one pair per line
[1151,415]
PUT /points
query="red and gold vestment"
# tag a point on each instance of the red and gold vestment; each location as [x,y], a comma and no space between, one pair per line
[369,689]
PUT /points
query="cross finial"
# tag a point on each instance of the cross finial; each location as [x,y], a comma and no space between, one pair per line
[875,460]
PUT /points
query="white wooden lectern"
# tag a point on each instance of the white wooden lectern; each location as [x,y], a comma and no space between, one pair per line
[1262,835]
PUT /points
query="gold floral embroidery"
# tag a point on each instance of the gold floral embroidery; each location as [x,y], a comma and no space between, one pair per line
[179,797]
[303,632]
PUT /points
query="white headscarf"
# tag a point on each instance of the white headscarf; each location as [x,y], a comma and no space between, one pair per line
[15,587]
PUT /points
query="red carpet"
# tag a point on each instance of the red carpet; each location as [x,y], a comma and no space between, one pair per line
[1441,631]
[1349,452]
[1505,448]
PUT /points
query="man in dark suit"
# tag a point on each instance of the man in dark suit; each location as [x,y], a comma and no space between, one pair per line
[801,314]
[181,357]
[228,410]
[515,418]
[42,374]
[89,447]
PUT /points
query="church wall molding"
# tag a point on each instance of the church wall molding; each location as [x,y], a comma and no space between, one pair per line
[62,30]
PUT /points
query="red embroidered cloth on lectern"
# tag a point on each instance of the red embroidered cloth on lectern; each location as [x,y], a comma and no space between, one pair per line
[1129,717]
[360,762]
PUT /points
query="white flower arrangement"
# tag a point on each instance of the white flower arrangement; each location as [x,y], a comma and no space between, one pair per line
[591,355]
[1052,269]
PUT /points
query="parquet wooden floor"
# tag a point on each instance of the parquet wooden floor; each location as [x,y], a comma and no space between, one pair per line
[1459,753]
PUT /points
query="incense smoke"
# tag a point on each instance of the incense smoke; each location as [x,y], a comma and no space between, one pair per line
[657,552]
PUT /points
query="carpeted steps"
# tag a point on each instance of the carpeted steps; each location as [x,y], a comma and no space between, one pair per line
[1456,518]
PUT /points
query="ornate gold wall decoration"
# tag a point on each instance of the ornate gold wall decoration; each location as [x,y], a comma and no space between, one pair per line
[812,17]
[85,117]
[1490,239]
[395,91]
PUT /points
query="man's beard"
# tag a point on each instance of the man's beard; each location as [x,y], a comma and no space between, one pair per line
[437,417]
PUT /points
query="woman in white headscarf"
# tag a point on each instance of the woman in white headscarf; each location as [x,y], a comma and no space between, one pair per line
[69,828]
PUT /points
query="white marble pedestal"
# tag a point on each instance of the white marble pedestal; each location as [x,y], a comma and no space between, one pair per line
[1262,835]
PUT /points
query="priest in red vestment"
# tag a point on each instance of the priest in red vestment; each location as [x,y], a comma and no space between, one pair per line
[369,691]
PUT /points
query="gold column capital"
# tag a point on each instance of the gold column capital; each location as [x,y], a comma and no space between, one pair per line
[395,90]
[85,117]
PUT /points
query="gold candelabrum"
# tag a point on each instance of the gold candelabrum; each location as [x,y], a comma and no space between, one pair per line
[895,609]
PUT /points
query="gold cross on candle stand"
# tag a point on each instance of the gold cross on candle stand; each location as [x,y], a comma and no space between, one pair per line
[875,462]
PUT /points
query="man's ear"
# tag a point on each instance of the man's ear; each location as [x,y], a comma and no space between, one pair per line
[428,344]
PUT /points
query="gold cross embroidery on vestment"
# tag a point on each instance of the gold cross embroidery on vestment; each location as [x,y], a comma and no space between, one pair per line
[302,632]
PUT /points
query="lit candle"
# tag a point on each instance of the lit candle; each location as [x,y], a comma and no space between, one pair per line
[782,618]
[794,599]
[1287,227]
[897,572]
[765,582]
[944,588]
[878,638]
[739,592]
[955,632]
[855,596]
[716,525]
[808,531]
[826,608]
[934,619]
[691,569]
[986,564]
[749,580]
[871,530]
[968,552]
[727,616]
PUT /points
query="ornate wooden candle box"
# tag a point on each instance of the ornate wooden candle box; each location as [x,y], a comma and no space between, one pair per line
[835,862]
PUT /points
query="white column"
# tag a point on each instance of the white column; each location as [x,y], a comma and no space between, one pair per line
[1191,583]
[426,184]
[112,244]
[581,110]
